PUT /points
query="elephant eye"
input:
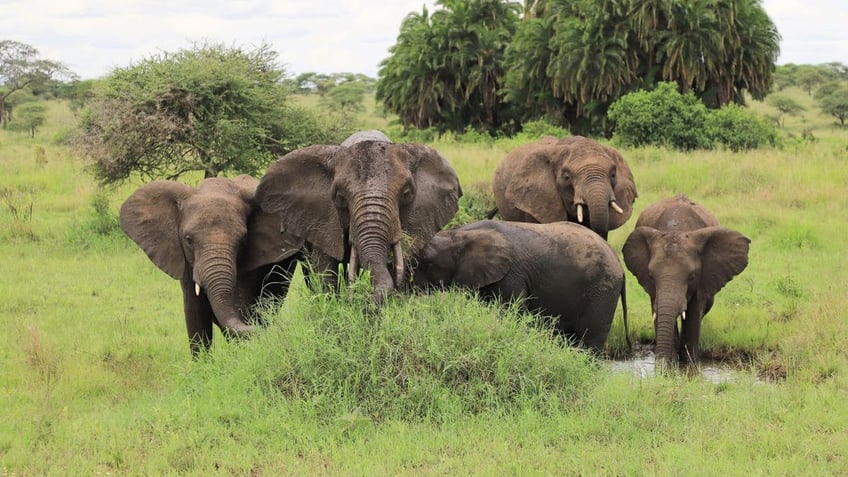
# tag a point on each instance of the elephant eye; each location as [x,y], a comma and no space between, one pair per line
[407,193]
[339,199]
[188,240]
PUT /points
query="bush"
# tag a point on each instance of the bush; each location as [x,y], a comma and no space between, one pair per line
[738,128]
[428,358]
[533,130]
[662,117]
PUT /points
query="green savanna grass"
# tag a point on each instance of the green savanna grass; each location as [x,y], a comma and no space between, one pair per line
[97,378]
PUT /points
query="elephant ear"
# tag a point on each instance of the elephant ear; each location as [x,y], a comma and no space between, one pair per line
[247,186]
[624,190]
[297,189]
[264,243]
[724,254]
[151,218]
[437,193]
[484,258]
[637,255]
[532,187]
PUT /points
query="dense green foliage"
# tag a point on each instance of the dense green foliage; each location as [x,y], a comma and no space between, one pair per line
[208,108]
[97,376]
[833,100]
[664,117]
[446,70]
[476,64]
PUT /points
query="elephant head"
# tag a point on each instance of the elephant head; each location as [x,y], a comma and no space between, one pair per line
[355,202]
[204,237]
[473,257]
[575,179]
[682,271]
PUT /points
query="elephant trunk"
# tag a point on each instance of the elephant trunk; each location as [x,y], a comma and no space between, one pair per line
[372,237]
[596,198]
[668,307]
[217,275]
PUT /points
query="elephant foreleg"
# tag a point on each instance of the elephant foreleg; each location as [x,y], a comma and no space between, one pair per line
[198,315]
[691,332]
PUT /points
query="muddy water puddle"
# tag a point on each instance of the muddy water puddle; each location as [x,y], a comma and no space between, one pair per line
[642,365]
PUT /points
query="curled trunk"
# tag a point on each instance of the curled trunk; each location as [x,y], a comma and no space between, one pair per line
[218,277]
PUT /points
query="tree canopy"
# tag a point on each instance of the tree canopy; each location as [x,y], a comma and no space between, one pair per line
[568,60]
[446,70]
[207,108]
[21,66]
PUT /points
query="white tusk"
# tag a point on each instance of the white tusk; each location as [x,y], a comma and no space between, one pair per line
[398,264]
[580,213]
[684,315]
[654,316]
[197,289]
[352,265]
[616,208]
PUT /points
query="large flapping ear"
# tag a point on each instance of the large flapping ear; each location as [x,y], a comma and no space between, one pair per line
[151,217]
[532,187]
[624,190]
[637,255]
[437,193]
[484,258]
[724,254]
[297,189]
[264,243]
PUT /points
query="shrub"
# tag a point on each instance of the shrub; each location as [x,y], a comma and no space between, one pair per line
[662,117]
[738,128]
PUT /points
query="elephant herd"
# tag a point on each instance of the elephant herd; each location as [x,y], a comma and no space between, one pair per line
[372,204]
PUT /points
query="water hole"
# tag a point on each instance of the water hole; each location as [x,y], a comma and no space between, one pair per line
[642,365]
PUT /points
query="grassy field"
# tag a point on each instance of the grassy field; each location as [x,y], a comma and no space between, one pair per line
[97,377]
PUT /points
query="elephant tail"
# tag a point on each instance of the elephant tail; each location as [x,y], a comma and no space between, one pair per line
[624,314]
[491,214]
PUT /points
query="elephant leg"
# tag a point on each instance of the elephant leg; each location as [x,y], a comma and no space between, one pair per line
[199,317]
[691,333]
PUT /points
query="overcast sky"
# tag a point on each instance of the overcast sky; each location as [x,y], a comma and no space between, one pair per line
[326,36]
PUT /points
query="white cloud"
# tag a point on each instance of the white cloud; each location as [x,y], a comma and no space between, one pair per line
[323,36]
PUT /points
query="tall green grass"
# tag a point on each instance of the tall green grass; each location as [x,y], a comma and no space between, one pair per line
[97,377]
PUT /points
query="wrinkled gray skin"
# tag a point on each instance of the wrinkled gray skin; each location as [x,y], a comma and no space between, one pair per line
[574,179]
[563,269]
[367,203]
[216,241]
[682,257]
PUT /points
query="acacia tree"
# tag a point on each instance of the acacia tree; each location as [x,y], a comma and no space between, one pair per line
[446,69]
[208,108]
[21,66]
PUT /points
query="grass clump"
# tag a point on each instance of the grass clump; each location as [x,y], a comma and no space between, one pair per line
[421,358]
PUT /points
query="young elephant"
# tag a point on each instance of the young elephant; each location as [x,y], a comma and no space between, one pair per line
[562,269]
[214,239]
[682,258]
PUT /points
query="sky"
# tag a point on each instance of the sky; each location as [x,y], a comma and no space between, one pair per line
[323,36]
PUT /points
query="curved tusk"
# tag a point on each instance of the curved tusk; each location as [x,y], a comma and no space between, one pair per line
[580,213]
[616,208]
[399,267]
[352,265]
[654,316]
[196,289]
[683,315]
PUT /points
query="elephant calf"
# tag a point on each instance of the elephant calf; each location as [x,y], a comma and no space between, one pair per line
[682,258]
[562,269]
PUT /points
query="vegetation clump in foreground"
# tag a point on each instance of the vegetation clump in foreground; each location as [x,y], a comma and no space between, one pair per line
[420,358]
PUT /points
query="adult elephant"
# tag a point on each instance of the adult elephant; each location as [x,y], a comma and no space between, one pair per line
[216,241]
[574,179]
[682,257]
[560,269]
[364,203]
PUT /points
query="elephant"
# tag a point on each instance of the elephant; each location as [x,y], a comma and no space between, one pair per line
[362,204]
[560,269]
[573,179]
[218,243]
[682,257]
